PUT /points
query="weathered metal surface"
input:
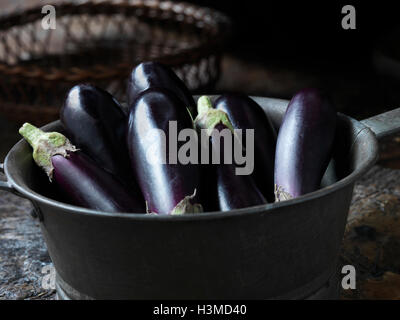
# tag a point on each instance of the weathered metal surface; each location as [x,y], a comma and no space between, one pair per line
[115,256]
[384,124]
[23,253]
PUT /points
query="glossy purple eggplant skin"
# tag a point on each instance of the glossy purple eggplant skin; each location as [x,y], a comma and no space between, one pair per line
[96,123]
[244,113]
[87,185]
[163,185]
[305,142]
[156,75]
[234,191]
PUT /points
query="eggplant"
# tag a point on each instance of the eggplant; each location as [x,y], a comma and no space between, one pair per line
[233,191]
[153,74]
[304,144]
[96,123]
[168,186]
[79,178]
[244,113]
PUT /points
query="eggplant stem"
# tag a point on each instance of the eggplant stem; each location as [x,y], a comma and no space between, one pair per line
[45,145]
[208,117]
[203,105]
[281,194]
[185,206]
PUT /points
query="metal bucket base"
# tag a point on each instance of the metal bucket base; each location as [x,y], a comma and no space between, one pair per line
[330,291]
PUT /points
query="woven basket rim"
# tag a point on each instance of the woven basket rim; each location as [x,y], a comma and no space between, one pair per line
[219,21]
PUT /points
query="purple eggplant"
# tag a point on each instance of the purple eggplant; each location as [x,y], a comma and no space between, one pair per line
[156,75]
[244,113]
[168,186]
[96,123]
[80,179]
[304,144]
[233,190]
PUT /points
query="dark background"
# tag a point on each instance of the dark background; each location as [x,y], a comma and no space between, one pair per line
[306,30]
[279,47]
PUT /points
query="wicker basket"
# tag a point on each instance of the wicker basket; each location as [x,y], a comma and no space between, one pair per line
[99,43]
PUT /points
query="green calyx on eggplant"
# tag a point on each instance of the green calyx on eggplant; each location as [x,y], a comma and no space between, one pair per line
[168,187]
[244,113]
[153,74]
[233,191]
[208,117]
[96,123]
[304,144]
[83,182]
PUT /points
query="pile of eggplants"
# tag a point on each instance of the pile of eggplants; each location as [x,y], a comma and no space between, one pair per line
[114,159]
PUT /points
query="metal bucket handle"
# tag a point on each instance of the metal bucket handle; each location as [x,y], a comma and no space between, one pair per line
[4,185]
[384,124]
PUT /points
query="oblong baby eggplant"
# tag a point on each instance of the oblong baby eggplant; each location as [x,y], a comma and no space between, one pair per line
[304,144]
[234,190]
[80,179]
[153,74]
[96,123]
[168,186]
[244,113]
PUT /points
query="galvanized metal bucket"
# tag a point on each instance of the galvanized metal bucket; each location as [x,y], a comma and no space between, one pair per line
[281,250]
